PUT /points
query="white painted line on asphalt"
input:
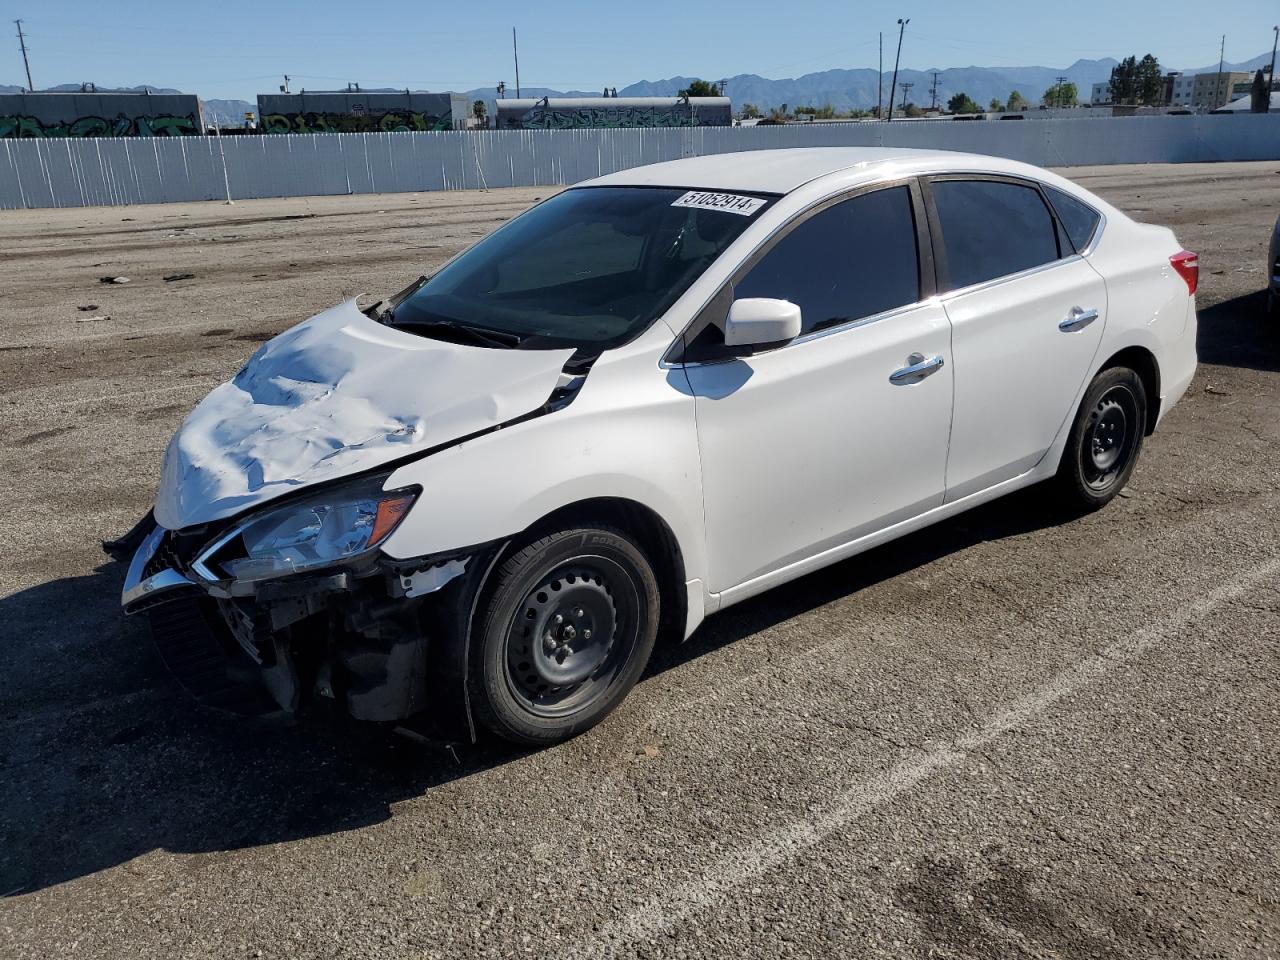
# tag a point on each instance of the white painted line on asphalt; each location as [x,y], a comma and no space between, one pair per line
[735,868]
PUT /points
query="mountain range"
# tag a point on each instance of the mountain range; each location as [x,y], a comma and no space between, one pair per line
[843,89]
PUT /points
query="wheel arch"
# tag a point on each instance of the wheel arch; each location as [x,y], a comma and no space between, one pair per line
[651,533]
[1142,362]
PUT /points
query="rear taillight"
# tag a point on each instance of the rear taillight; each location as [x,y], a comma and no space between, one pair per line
[1188,266]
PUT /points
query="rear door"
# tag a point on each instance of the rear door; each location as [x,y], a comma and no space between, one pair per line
[1027,315]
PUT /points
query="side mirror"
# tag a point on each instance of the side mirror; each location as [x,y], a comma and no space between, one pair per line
[761,322]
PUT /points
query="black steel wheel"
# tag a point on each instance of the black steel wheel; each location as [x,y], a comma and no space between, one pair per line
[568,628]
[1106,437]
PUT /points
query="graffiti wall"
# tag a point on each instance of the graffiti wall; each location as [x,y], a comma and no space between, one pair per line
[359,112]
[602,113]
[392,120]
[59,115]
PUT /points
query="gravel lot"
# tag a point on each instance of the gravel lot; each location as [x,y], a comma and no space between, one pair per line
[1007,736]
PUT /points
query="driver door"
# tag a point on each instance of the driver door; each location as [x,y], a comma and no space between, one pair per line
[823,440]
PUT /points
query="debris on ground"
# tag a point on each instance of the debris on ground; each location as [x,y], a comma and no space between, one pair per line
[178,276]
[113,279]
[100,316]
[85,308]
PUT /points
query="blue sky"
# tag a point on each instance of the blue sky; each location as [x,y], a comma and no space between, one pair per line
[235,48]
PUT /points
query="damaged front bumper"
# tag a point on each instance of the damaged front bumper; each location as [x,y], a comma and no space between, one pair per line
[382,639]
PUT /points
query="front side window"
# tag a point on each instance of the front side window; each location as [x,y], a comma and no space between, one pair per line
[589,269]
[992,228]
[852,260]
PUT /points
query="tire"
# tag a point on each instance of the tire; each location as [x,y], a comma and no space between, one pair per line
[538,680]
[1105,439]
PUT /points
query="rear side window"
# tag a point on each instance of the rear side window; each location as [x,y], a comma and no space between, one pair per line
[992,229]
[1080,220]
[853,260]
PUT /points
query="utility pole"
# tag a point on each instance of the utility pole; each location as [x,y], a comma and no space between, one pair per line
[515,52]
[906,89]
[1058,99]
[1222,52]
[22,42]
[1271,77]
[902,27]
[880,82]
[284,88]
[933,94]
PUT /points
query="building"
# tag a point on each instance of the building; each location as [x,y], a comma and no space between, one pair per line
[1246,89]
[576,113]
[1212,90]
[1180,88]
[1101,93]
[90,112]
[361,111]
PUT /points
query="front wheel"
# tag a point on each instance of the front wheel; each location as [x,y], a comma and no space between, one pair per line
[1105,439]
[566,632]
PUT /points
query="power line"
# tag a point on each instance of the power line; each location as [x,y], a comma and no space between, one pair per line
[22,42]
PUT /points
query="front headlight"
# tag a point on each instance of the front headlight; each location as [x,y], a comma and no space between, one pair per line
[315,532]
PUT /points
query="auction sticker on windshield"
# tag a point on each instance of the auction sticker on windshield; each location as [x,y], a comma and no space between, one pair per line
[726,202]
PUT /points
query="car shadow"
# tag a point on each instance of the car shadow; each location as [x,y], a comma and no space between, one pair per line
[1238,333]
[103,758]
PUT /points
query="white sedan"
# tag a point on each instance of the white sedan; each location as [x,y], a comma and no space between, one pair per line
[653,395]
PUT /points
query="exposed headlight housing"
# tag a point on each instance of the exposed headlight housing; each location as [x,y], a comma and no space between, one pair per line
[338,525]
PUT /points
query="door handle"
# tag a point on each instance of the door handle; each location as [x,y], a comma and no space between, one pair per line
[917,369]
[1078,320]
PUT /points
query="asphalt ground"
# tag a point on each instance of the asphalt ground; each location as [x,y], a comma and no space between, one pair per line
[1011,735]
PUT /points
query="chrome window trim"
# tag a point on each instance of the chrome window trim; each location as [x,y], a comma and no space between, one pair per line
[1007,278]
[814,334]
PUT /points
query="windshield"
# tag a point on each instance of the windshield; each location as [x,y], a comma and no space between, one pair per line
[589,268]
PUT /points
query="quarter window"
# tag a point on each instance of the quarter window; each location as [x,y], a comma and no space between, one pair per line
[991,228]
[853,260]
[1079,219]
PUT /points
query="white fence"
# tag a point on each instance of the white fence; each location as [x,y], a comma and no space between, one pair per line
[71,173]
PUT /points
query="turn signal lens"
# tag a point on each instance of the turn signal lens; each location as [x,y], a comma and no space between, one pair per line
[390,513]
[1187,264]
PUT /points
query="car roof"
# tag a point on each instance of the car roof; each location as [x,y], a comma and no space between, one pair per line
[782,171]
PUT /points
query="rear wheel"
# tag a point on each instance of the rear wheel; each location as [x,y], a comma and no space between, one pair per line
[568,628]
[1105,439]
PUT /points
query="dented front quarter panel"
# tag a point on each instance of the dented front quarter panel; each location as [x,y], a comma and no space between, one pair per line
[335,396]
[629,434]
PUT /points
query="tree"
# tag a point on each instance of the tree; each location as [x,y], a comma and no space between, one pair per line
[995,106]
[1150,81]
[1138,81]
[479,110]
[912,111]
[750,111]
[1016,102]
[779,114]
[1061,95]
[1124,81]
[963,103]
[700,88]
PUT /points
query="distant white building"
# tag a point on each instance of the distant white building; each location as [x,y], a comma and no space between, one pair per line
[1184,84]
[1101,93]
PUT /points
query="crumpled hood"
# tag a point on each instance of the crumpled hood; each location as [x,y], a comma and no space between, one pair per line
[334,396]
